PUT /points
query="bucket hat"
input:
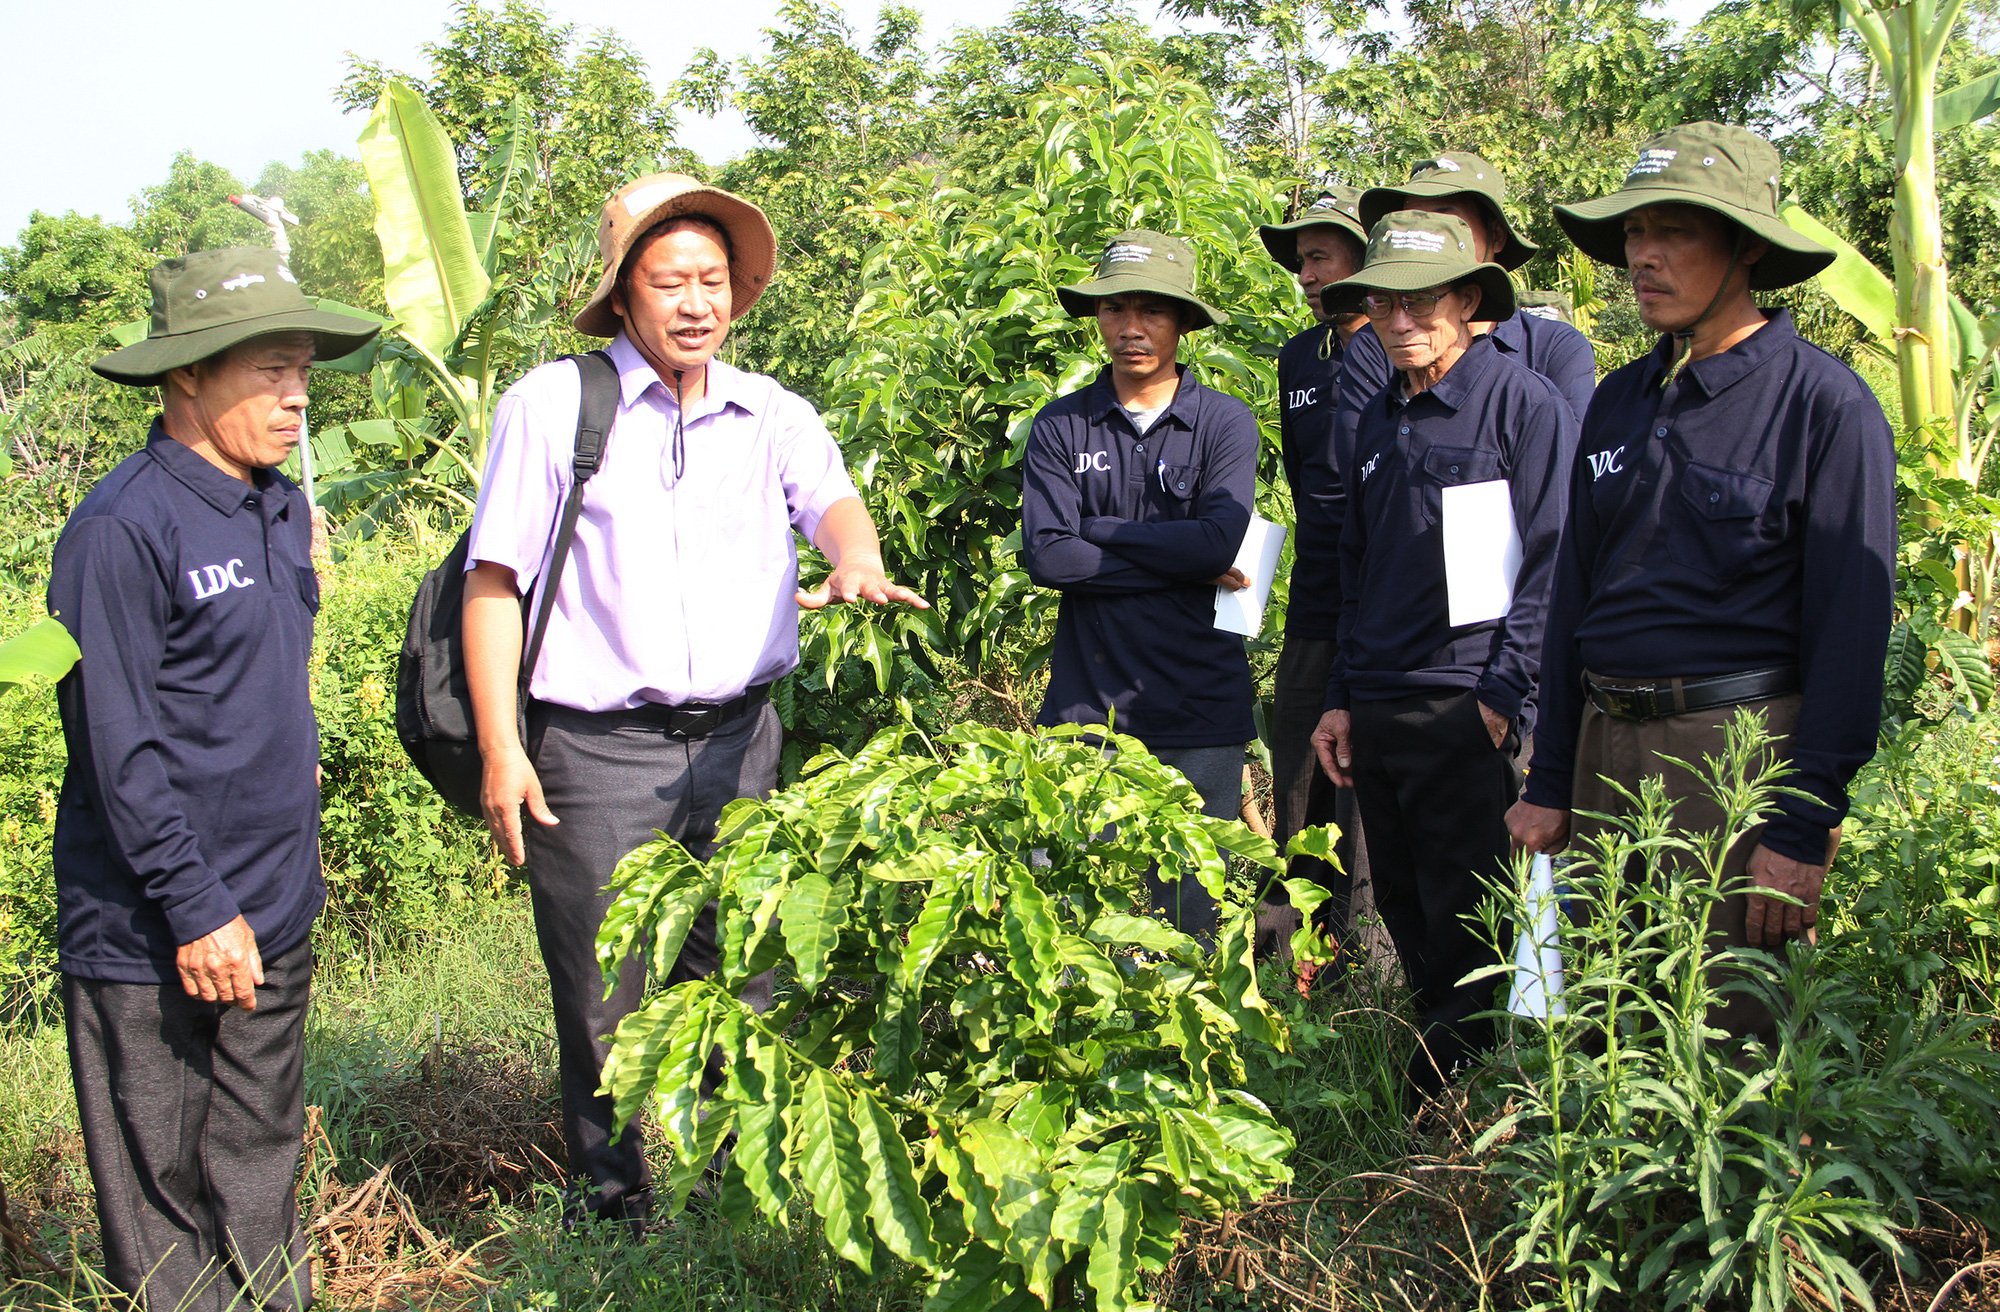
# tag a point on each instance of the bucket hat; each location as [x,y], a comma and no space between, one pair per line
[644,204]
[1139,262]
[1453,173]
[1411,250]
[1727,170]
[1547,305]
[1336,207]
[205,302]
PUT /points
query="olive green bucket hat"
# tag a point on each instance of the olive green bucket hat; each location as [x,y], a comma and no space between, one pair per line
[1547,305]
[1730,171]
[1139,262]
[205,302]
[1337,207]
[1413,251]
[1454,173]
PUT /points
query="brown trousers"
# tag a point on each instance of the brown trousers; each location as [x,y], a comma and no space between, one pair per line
[1628,751]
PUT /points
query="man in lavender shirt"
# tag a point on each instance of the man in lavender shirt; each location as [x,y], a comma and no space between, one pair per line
[677,608]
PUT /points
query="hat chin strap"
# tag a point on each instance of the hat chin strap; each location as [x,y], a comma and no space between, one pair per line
[1684,337]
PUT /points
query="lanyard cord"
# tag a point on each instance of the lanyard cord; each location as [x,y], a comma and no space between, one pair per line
[680,429]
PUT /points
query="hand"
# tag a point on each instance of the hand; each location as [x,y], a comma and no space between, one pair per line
[1235,580]
[859,579]
[1538,828]
[1497,725]
[507,782]
[223,966]
[1769,922]
[1330,744]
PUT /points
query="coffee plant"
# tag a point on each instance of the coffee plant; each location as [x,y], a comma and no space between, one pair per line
[985,1058]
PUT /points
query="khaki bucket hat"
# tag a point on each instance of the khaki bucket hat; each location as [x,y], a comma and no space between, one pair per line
[1141,262]
[644,204]
[1454,173]
[205,302]
[1412,251]
[1337,207]
[1729,170]
[1547,305]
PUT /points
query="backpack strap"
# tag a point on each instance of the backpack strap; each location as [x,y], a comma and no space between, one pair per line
[594,414]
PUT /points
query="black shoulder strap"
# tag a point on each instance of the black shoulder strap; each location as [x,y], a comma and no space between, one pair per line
[593,423]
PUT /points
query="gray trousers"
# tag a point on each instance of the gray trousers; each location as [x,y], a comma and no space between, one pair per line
[1217,774]
[612,780]
[193,1113]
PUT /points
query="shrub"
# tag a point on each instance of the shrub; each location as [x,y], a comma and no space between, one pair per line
[987,1063]
[1643,1158]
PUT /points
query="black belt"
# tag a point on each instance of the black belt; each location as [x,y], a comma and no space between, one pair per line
[1652,699]
[697,719]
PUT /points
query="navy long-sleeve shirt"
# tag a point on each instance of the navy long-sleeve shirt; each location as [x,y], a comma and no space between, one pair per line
[190,795]
[1310,378]
[1742,518]
[1134,529]
[1488,418]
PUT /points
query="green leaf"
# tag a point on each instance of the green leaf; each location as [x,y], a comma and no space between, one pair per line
[1856,286]
[43,650]
[510,167]
[813,919]
[759,1083]
[1113,1268]
[1029,923]
[658,890]
[1963,657]
[432,277]
[833,1169]
[661,1050]
[1966,103]
[896,1202]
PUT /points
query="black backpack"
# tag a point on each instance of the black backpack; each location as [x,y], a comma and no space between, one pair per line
[433,704]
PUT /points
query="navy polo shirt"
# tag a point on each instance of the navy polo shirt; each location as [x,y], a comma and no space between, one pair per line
[190,794]
[1309,383]
[1134,529]
[1548,347]
[1488,418]
[1742,517]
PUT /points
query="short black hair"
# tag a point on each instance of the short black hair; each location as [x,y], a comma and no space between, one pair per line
[712,227]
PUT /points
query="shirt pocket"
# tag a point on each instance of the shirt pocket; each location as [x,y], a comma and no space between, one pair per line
[1180,483]
[309,587]
[1718,531]
[1451,466]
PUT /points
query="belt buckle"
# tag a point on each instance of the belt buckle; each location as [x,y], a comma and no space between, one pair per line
[688,725]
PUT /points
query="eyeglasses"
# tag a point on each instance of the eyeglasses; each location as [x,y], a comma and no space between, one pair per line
[1419,305]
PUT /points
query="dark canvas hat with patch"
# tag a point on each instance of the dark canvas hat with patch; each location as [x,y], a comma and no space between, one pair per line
[1453,173]
[205,302]
[644,204]
[1413,251]
[1728,170]
[1139,262]
[1337,207]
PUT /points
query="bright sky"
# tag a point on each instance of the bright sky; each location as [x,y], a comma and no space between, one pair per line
[101,96]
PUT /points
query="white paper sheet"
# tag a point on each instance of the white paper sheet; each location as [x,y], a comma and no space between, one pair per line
[1243,611]
[1538,961]
[1482,551]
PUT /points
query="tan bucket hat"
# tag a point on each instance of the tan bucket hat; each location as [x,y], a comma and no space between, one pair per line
[643,204]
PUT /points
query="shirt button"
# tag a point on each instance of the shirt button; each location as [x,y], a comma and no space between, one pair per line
[1180,487]
[1140,449]
[1659,432]
[1714,497]
[1405,430]
[1454,469]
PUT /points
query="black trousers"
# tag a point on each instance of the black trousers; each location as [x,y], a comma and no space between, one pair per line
[1434,794]
[193,1114]
[612,780]
[1301,794]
